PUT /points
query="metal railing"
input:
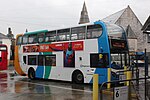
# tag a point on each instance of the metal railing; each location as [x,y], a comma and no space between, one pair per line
[136,87]
[131,85]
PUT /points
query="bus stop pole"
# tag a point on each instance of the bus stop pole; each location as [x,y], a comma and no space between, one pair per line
[129,76]
[95,87]
[146,73]
[137,70]
[125,73]
[109,78]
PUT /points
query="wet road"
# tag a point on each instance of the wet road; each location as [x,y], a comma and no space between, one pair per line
[21,88]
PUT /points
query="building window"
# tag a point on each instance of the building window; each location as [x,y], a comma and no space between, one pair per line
[148,38]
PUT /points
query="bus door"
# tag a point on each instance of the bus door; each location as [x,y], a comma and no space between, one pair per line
[3,57]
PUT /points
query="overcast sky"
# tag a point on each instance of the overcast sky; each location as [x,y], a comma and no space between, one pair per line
[54,14]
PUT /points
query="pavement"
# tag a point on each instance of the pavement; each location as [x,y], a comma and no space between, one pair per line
[15,87]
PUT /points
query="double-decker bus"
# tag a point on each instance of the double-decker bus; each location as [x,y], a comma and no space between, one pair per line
[70,54]
[3,57]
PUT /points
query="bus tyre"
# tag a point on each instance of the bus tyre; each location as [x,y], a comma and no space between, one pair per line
[77,77]
[31,74]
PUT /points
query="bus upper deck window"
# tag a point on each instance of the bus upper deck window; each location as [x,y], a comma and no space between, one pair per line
[74,37]
[50,36]
[32,39]
[78,33]
[94,31]
[25,39]
[19,40]
[41,37]
[63,35]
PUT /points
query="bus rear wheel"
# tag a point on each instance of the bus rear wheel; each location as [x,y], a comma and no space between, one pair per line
[77,77]
[31,74]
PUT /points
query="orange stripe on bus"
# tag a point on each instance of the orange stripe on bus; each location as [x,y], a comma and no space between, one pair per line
[16,64]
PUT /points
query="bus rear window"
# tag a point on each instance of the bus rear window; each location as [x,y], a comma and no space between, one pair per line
[94,31]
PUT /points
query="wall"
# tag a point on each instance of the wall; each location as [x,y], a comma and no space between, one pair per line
[132,44]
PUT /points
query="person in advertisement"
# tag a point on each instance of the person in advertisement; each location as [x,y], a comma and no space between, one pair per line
[69,56]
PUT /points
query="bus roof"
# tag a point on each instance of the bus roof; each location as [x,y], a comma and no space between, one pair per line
[35,32]
[111,29]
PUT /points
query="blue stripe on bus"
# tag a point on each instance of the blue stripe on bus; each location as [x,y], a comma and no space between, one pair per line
[40,71]
[102,72]
[103,47]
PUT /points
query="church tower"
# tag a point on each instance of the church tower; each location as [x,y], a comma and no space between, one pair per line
[84,15]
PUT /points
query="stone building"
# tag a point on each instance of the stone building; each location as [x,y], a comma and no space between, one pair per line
[146,27]
[129,21]
[146,31]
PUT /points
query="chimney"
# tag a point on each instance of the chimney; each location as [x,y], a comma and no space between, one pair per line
[9,31]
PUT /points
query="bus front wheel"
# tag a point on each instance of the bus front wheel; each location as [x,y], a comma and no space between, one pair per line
[77,77]
[31,74]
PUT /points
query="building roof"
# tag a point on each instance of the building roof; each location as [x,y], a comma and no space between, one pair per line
[114,17]
[2,36]
[126,15]
[146,26]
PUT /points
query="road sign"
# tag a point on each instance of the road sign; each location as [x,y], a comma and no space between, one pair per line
[121,93]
